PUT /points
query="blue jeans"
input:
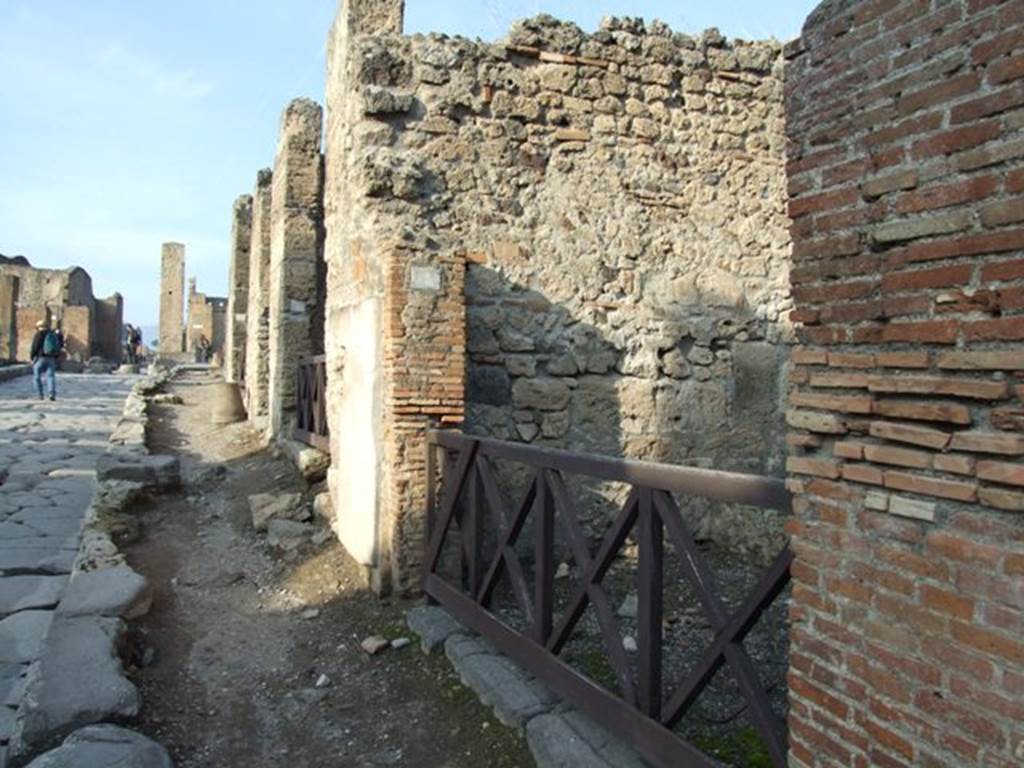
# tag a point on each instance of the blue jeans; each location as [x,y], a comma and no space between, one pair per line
[49,366]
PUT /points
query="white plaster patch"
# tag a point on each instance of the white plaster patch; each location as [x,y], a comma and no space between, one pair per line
[424,278]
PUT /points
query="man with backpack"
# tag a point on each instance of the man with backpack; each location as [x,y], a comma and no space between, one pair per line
[46,347]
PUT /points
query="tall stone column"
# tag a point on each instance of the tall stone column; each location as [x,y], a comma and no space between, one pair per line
[238,288]
[257,319]
[172,299]
[296,254]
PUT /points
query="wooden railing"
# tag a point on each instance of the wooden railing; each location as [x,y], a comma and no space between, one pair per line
[311,402]
[470,500]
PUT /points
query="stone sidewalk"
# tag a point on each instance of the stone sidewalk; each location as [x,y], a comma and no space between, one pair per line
[48,452]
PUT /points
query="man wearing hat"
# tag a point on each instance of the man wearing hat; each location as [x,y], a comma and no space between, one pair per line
[46,347]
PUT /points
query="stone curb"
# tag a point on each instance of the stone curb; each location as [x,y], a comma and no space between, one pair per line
[78,682]
[558,735]
[9,372]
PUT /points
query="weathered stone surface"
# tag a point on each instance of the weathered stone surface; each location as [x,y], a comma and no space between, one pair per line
[112,592]
[157,472]
[288,534]
[568,740]
[77,680]
[266,507]
[311,463]
[433,625]
[21,635]
[19,593]
[105,746]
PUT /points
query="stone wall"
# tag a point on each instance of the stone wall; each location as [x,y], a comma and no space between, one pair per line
[619,200]
[108,322]
[906,417]
[238,289]
[206,319]
[63,295]
[296,257]
[257,317]
[76,323]
[172,298]
[8,317]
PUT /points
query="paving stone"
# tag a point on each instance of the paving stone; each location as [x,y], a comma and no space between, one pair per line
[115,592]
[77,680]
[499,683]
[6,722]
[21,635]
[21,593]
[433,625]
[12,689]
[105,746]
[33,560]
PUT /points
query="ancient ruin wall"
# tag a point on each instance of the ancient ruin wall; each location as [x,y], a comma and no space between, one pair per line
[108,322]
[8,317]
[906,123]
[619,199]
[257,317]
[172,298]
[296,256]
[76,323]
[238,289]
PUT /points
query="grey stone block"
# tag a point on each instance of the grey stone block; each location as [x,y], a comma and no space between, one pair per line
[105,746]
[21,635]
[433,625]
[76,681]
[156,472]
[113,592]
[515,696]
[568,740]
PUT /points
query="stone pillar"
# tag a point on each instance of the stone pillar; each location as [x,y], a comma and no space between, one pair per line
[238,289]
[172,299]
[8,317]
[296,252]
[907,409]
[257,328]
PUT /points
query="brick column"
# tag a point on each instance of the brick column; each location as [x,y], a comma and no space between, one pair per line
[906,413]
[238,288]
[296,254]
[172,298]
[257,328]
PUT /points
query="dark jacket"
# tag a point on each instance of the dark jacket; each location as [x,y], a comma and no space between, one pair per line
[37,344]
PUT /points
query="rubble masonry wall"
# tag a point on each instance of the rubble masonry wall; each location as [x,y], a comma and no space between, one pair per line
[615,205]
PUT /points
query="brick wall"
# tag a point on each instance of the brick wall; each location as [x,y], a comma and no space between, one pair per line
[257,322]
[77,325]
[172,298]
[906,164]
[238,289]
[108,322]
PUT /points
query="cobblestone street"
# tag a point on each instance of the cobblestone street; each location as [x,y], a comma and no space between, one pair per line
[48,452]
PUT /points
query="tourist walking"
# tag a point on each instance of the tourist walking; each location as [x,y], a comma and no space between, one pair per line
[46,348]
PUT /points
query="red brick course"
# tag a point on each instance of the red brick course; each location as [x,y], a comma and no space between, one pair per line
[905,168]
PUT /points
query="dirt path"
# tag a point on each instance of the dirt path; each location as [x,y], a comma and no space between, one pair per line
[231,653]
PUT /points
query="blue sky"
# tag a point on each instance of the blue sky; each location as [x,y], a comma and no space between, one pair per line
[125,123]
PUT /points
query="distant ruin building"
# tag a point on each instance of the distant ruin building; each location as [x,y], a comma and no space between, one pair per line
[183,325]
[172,299]
[206,319]
[64,298]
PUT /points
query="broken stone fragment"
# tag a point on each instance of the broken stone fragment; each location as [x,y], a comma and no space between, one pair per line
[288,535]
[374,644]
[154,472]
[276,506]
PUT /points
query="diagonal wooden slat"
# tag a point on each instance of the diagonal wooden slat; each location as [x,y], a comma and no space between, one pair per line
[610,546]
[508,534]
[610,633]
[454,490]
[543,563]
[649,614]
[729,633]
